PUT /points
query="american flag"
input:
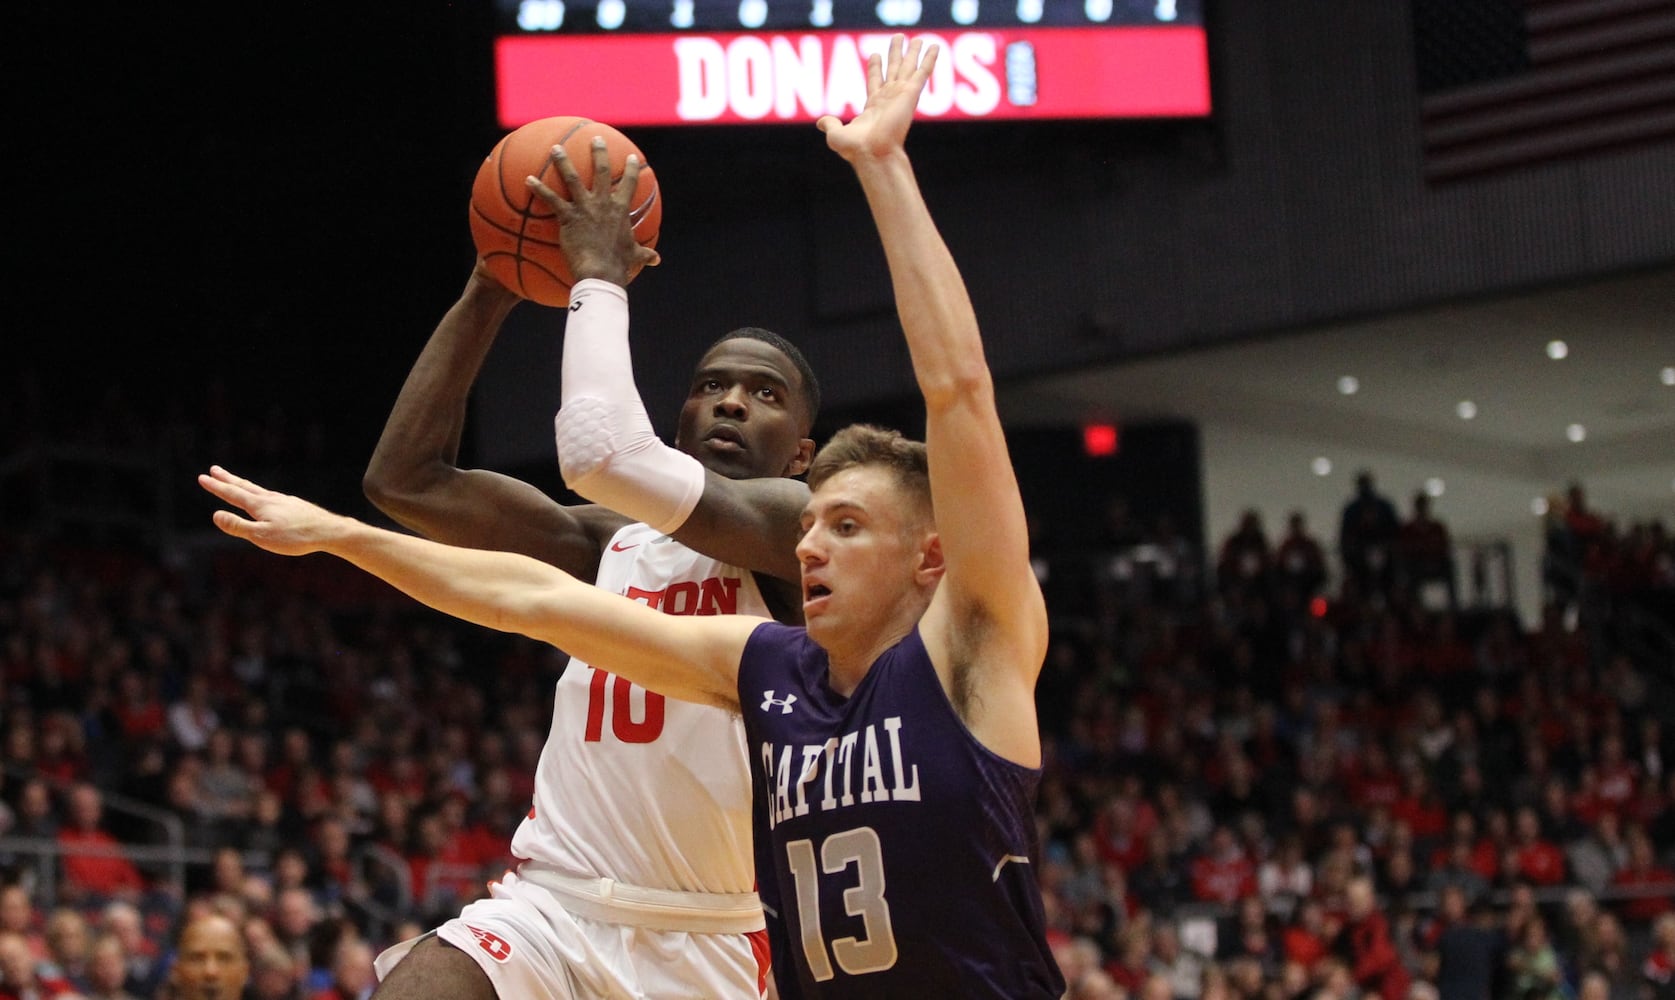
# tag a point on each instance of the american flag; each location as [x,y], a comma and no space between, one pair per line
[1506,83]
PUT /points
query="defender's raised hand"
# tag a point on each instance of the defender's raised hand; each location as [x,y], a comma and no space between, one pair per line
[894,83]
[594,227]
[278,522]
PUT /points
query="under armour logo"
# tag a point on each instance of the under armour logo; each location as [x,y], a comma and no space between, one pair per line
[783,703]
[574,306]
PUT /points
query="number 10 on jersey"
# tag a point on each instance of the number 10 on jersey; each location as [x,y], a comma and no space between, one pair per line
[621,710]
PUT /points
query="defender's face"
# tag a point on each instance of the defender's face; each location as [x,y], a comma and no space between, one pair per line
[743,415]
[859,552]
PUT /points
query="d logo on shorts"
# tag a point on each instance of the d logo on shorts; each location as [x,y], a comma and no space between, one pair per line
[498,948]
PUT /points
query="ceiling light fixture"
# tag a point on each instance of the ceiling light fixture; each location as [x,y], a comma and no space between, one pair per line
[1557,349]
[1349,385]
[1668,375]
[1577,433]
[1466,409]
[1433,487]
[1538,506]
[1322,466]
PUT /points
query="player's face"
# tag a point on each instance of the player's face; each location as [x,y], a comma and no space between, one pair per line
[861,551]
[743,417]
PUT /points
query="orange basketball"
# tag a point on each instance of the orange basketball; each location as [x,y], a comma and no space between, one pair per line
[516,233]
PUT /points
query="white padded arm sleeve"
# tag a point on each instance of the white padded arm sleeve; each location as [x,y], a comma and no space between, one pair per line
[607,450]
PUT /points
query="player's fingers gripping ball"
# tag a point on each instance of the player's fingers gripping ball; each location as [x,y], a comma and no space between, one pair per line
[516,232]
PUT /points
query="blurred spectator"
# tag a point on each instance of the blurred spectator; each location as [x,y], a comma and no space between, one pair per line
[68,944]
[1286,877]
[140,951]
[1181,967]
[1537,859]
[1367,947]
[1300,561]
[192,718]
[19,916]
[351,971]
[273,974]
[1367,533]
[36,815]
[1533,965]
[107,970]
[1425,556]
[1469,947]
[1600,854]
[210,962]
[20,974]
[1223,873]
[1659,968]
[1652,885]
[103,872]
[1245,561]
[226,792]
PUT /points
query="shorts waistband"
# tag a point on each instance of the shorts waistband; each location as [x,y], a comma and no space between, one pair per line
[610,901]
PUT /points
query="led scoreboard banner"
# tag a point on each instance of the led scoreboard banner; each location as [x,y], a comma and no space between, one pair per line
[680,62]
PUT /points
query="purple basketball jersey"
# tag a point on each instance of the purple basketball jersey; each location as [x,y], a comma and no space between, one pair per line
[895,854]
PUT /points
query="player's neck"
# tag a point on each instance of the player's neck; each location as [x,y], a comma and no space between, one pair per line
[849,665]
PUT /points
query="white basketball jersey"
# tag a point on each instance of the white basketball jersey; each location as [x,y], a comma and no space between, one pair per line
[635,787]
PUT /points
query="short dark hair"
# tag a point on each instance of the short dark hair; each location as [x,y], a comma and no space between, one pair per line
[866,445]
[811,385]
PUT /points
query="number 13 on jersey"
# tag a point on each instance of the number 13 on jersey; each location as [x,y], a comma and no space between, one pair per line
[874,952]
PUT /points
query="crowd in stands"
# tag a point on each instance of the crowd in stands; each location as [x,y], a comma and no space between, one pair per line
[1299,768]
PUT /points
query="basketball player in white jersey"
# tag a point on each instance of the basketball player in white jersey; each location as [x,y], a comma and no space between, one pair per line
[636,878]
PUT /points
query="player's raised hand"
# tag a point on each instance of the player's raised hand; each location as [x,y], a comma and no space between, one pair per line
[278,522]
[595,229]
[894,83]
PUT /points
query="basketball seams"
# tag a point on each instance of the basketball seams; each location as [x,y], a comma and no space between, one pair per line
[526,214]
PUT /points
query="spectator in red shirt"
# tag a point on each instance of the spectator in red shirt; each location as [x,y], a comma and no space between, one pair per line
[1538,860]
[1477,853]
[1129,968]
[139,713]
[1653,884]
[1659,967]
[1373,781]
[1304,941]
[1617,777]
[1420,807]
[1365,939]
[1118,836]
[105,872]
[1224,872]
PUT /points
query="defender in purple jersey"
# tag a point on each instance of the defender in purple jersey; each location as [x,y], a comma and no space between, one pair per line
[893,742]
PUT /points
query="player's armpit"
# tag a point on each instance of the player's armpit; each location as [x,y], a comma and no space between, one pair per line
[989,676]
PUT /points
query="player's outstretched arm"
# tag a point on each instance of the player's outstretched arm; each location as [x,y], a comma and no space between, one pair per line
[693,658]
[988,614]
[607,449]
[414,476]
